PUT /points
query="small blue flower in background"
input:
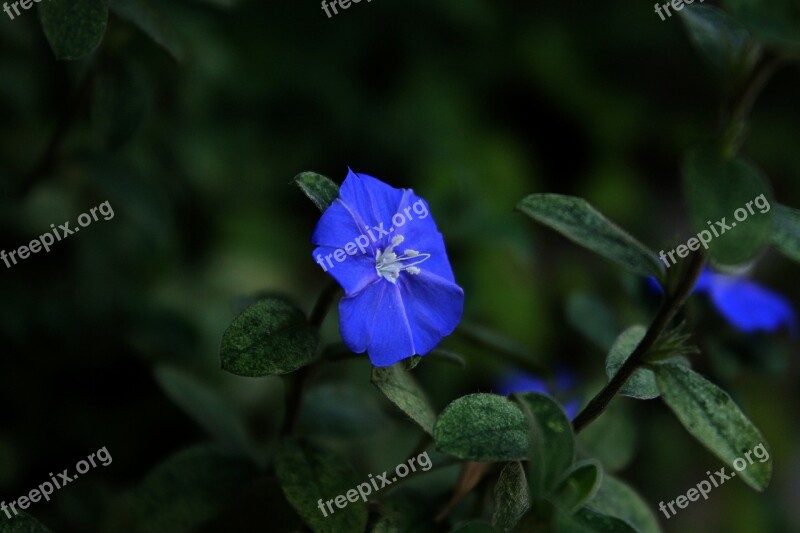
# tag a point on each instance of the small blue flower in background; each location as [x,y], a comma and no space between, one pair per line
[520,382]
[746,305]
[383,248]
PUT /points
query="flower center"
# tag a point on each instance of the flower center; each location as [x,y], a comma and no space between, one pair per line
[389,264]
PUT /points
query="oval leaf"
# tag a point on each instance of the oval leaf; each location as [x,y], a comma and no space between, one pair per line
[511,497]
[482,427]
[269,337]
[580,222]
[718,36]
[642,383]
[786,231]
[21,523]
[307,475]
[615,498]
[74,28]
[400,387]
[709,414]
[774,21]
[187,489]
[715,189]
[555,449]
[578,485]
[318,188]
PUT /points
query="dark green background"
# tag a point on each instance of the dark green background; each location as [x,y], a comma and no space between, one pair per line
[474,105]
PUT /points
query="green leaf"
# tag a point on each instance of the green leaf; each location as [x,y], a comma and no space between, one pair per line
[74,28]
[715,189]
[776,22]
[511,497]
[475,526]
[187,489]
[150,18]
[578,485]
[318,188]
[617,499]
[400,387]
[589,521]
[21,523]
[718,36]
[482,427]
[611,439]
[591,317]
[308,474]
[709,414]
[556,447]
[269,337]
[642,383]
[786,231]
[580,222]
[206,406]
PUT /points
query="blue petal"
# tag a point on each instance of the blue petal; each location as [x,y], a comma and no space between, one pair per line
[705,281]
[375,321]
[520,383]
[571,408]
[353,274]
[749,306]
[433,307]
[375,201]
[421,234]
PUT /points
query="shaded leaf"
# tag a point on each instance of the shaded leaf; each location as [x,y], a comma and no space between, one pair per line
[475,526]
[511,497]
[717,35]
[776,22]
[580,222]
[400,387]
[482,427]
[74,28]
[589,521]
[578,485]
[149,17]
[615,498]
[308,474]
[786,231]
[269,337]
[710,415]
[715,189]
[206,406]
[555,449]
[319,189]
[642,383]
[188,488]
[21,523]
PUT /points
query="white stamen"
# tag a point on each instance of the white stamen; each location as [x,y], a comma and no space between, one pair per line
[389,264]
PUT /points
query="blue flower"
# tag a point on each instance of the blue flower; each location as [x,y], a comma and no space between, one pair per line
[520,382]
[746,305]
[383,248]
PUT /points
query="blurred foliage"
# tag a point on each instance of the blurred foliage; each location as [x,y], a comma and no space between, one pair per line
[192,116]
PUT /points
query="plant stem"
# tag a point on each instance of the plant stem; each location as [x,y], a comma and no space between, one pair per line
[294,383]
[670,306]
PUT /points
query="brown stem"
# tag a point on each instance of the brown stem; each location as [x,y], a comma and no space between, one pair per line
[672,303]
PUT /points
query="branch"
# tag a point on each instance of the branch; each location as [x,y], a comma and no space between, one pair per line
[672,303]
